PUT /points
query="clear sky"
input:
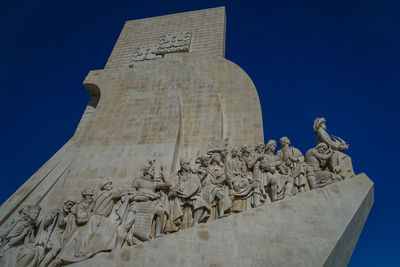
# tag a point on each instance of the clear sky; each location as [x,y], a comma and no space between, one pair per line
[337,59]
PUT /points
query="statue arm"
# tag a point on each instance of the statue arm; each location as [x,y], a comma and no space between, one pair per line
[118,193]
[251,162]
[311,159]
[324,136]
[202,174]
[221,179]
[17,239]
[48,220]
[298,155]
[62,219]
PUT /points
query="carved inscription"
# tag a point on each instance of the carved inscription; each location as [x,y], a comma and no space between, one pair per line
[143,53]
[176,42]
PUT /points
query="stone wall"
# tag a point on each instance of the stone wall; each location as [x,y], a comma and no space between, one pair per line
[207,27]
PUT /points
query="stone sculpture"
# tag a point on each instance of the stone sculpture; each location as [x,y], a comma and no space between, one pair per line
[268,166]
[152,206]
[240,183]
[186,191]
[213,185]
[50,238]
[294,159]
[178,96]
[148,204]
[17,243]
[341,162]
[320,159]
[99,233]
[84,206]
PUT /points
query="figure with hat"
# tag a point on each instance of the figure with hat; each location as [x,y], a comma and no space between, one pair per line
[149,203]
[84,206]
[263,163]
[241,185]
[342,164]
[186,198]
[214,186]
[17,243]
[50,238]
[100,233]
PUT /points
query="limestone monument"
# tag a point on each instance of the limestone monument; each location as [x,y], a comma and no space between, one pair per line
[168,167]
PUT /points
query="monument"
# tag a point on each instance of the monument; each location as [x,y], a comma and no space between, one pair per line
[168,167]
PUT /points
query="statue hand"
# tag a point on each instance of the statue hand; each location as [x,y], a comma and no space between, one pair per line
[343,147]
[337,169]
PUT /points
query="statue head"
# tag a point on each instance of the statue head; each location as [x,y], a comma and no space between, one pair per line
[185,164]
[236,152]
[216,157]
[203,160]
[319,123]
[260,148]
[87,193]
[270,146]
[68,204]
[34,212]
[245,150]
[150,170]
[322,148]
[284,141]
[25,210]
[283,169]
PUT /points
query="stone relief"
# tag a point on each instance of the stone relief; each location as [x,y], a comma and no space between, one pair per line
[143,53]
[174,42]
[219,185]
[169,43]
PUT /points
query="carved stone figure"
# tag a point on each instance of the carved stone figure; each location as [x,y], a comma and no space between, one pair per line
[148,204]
[240,183]
[253,164]
[100,233]
[186,190]
[341,162]
[151,206]
[50,238]
[84,206]
[284,181]
[204,162]
[126,217]
[17,247]
[294,159]
[213,185]
[268,165]
[320,159]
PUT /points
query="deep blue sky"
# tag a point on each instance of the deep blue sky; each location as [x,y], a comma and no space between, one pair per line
[337,59]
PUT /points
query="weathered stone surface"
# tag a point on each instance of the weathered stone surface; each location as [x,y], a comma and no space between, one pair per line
[207,28]
[315,228]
